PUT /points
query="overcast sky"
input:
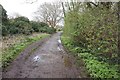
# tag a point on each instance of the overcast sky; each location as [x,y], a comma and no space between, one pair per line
[21,7]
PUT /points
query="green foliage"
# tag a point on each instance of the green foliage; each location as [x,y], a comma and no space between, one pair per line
[22,18]
[10,54]
[42,27]
[3,15]
[98,69]
[4,30]
[67,42]
[36,26]
[49,30]
[22,25]
[13,30]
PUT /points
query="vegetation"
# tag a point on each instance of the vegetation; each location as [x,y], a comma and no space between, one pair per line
[42,27]
[96,68]
[91,31]
[22,25]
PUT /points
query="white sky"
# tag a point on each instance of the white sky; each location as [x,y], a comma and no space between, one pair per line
[21,7]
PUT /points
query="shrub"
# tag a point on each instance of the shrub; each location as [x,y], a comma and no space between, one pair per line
[42,27]
[13,30]
[4,30]
[24,27]
[51,30]
[22,18]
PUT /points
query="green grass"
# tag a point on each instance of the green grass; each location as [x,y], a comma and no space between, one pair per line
[95,68]
[9,55]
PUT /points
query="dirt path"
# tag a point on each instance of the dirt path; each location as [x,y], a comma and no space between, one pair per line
[49,60]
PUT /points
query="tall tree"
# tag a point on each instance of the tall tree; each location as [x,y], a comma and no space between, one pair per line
[3,15]
[50,13]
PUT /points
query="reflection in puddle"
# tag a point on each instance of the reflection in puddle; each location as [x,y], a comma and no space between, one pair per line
[37,58]
[59,48]
[59,41]
[44,58]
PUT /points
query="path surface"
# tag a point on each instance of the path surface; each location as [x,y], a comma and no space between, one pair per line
[49,60]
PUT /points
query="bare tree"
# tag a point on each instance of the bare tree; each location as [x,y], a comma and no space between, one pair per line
[50,13]
[70,5]
[63,9]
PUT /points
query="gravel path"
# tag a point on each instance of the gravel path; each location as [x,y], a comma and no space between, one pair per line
[43,59]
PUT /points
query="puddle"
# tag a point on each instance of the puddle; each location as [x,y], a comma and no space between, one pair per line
[37,58]
[59,48]
[44,58]
[59,41]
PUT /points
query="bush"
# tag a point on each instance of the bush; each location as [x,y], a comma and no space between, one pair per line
[22,18]
[13,30]
[51,30]
[24,27]
[35,26]
[4,30]
[42,27]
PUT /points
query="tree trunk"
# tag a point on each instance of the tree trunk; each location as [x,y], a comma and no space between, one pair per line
[63,9]
[119,30]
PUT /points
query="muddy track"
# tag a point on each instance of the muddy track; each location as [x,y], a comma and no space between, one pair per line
[43,59]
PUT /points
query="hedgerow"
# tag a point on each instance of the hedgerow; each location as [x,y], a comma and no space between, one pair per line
[94,31]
